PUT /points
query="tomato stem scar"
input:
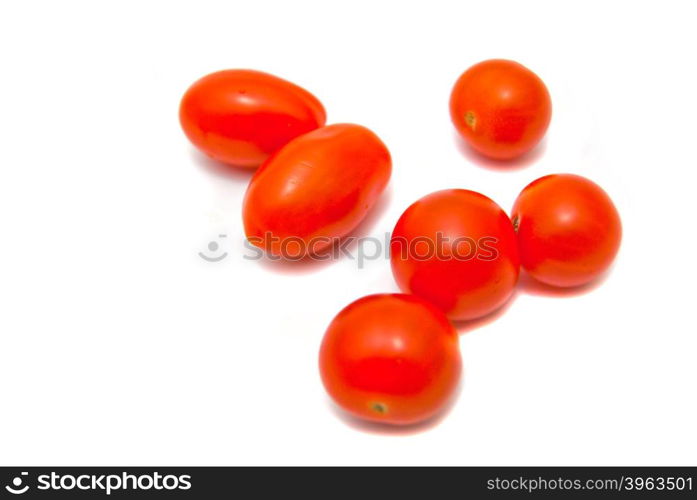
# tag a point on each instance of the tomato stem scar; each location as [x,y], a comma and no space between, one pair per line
[516,223]
[379,408]
[471,119]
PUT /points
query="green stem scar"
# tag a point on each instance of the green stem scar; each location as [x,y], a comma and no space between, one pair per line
[380,408]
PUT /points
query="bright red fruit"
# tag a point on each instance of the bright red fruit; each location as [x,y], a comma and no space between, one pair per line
[501,108]
[457,249]
[390,358]
[240,117]
[568,229]
[315,190]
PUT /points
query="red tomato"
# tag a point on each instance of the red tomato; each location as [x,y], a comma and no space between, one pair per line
[501,108]
[240,116]
[390,358]
[457,249]
[315,190]
[569,231]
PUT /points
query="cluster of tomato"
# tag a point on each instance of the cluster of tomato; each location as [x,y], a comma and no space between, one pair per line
[395,358]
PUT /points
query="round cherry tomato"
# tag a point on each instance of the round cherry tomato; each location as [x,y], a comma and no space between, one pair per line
[315,190]
[240,116]
[501,108]
[457,249]
[568,229]
[390,358]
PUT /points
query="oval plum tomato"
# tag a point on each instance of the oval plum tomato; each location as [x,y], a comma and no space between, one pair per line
[315,190]
[240,117]
[568,229]
[501,108]
[390,358]
[456,249]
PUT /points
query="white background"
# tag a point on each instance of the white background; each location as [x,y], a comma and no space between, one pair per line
[119,345]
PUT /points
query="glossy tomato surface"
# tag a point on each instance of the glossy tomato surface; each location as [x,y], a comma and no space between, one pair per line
[390,358]
[456,249]
[240,117]
[501,108]
[315,190]
[569,231]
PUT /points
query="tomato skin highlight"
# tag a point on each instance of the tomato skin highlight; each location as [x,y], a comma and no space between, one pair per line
[568,230]
[501,108]
[464,288]
[241,117]
[315,190]
[390,358]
